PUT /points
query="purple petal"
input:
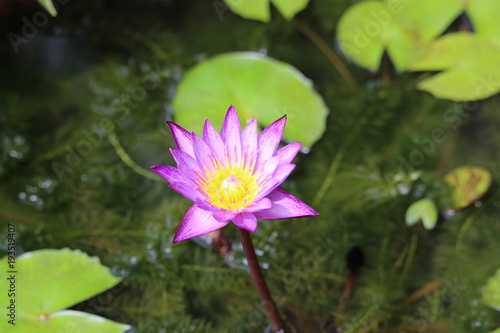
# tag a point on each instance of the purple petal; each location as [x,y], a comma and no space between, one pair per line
[205,205]
[187,190]
[169,173]
[224,215]
[282,172]
[246,221]
[230,134]
[268,186]
[258,206]
[203,153]
[183,139]
[195,223]
[185,162]
[213,140]
[285,206]
[288,152]
[270,138]
[249,141]
[267,167]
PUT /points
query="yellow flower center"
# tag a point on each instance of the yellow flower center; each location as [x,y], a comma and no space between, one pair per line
[231,187]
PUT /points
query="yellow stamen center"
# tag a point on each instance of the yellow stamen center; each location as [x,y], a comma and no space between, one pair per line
[231,187]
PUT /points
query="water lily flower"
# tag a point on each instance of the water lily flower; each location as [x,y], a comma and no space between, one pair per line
[232,176]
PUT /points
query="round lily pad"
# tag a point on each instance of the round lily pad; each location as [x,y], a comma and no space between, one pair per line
[468,184]
[402,28]
[469,63]
[44,282]
[259,87]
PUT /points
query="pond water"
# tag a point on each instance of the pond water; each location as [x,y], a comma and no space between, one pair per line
[83,105]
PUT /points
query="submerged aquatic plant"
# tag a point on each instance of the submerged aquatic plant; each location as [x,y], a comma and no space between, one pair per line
[233,176]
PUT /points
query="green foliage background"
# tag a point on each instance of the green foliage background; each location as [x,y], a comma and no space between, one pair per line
[120,63]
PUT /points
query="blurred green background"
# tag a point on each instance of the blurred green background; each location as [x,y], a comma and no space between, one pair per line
[83,105]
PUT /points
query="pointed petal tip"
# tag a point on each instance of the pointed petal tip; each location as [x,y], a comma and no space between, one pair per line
[231,112]
[172,125]
[283,118]
[285,206]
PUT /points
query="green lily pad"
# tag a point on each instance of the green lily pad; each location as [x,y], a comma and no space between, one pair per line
[49,6]
[491,292]
[468,184]
[484,18]
[259,87]
[66,321]
[48,281]
[260,9]
[422,210]
[403,28]
[470,64]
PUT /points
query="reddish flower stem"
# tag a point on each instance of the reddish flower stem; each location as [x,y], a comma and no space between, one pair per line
[268,304]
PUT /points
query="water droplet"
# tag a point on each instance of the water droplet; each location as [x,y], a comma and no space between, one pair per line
[15,154]
[152,256]
[45,184]
[32,189]
[448,213]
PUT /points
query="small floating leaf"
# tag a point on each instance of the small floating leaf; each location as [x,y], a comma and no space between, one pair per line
[48,281]
[491,292]
[422,210]
[468,184]
[259,87]
[49,6]
[260,9]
